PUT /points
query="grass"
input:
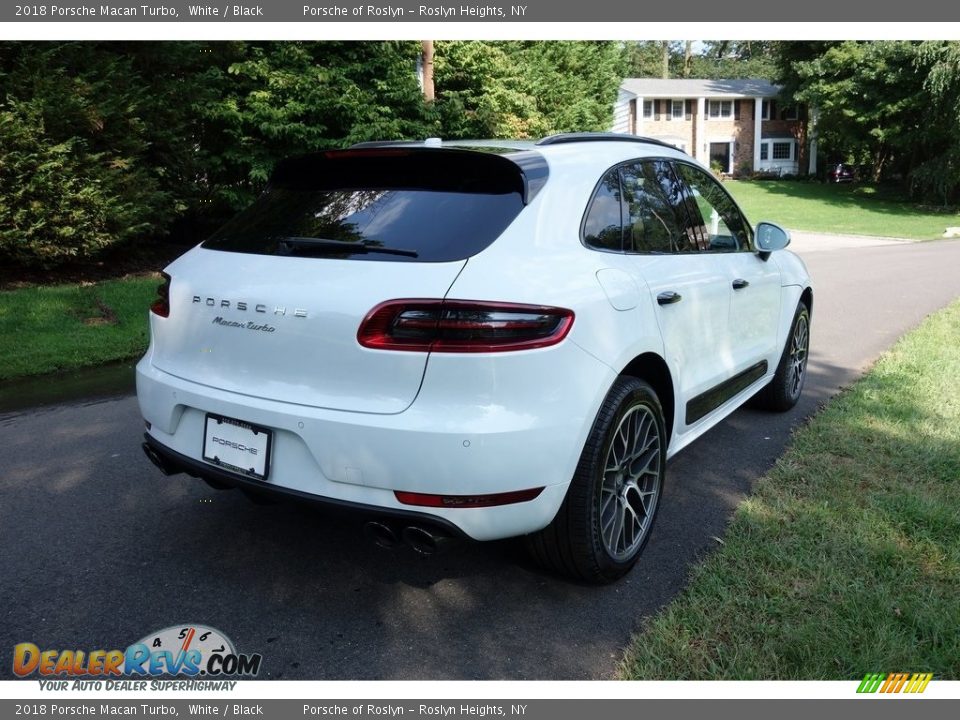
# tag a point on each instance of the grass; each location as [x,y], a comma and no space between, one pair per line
[64,327]
[846,209]
[846,559]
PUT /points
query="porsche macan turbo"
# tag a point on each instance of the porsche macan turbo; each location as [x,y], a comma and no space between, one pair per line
[478,338]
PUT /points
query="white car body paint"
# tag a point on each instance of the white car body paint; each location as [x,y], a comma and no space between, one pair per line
[353,424]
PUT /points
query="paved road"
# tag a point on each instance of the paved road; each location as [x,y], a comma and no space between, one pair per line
[97,549]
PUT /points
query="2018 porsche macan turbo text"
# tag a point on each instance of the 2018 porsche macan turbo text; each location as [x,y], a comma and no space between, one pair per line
[489,339]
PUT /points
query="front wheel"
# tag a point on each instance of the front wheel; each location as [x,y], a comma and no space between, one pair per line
[608,513]
[784,390]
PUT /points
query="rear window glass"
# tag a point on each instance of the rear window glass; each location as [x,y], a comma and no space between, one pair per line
[426,206]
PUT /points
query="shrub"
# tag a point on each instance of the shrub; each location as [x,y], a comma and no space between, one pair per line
[58,201]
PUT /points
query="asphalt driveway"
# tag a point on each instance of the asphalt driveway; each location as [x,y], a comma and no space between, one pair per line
[97,548]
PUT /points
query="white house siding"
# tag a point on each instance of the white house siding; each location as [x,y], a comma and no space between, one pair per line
[621,112]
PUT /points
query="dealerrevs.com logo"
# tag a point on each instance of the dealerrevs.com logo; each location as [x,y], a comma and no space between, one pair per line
[189,650]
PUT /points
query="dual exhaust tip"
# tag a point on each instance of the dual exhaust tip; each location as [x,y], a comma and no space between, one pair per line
[154,457]
[422,539]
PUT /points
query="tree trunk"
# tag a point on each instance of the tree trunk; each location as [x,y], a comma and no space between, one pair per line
[687,58]
[428,92]
[665,59]
[879,163]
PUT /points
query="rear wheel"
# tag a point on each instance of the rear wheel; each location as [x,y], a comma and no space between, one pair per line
[784,390]
[608,513]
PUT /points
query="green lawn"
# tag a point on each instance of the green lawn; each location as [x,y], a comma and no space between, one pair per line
[846,559]
[845,209]
[70,326]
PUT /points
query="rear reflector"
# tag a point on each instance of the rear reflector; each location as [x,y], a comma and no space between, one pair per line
[161,306]
[462,326]
[467,501]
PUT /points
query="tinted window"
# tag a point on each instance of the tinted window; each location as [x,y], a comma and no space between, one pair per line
[715,221]
[651,199]
[442,206]
[603,226]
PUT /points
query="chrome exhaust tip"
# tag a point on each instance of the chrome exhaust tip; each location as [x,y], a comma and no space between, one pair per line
[155,458]
[423,540]
[381,534]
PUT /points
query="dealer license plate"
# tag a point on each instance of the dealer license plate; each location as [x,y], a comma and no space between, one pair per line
[237,445]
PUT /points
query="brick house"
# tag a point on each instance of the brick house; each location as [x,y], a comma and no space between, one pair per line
[717,122]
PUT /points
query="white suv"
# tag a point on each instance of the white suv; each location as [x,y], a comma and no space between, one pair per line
[487,339]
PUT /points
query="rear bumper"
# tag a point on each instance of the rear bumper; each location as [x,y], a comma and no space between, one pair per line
[174,463]
[512,433]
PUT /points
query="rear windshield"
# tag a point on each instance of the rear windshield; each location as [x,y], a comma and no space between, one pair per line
[385,204]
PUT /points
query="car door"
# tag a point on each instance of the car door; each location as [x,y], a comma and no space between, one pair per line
[690,289]
[754,283]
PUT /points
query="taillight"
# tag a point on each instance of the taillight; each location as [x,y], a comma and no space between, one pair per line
[462,326]
[161,306]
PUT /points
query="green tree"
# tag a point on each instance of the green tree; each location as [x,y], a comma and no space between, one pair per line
[736,59]
[286,98]
[74,141]
[526,89]
[106,142]
[870,100]
[937,172]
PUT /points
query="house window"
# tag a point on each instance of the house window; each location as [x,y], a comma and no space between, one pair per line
[647,109]
[720,109]
[765,111]
[789,113]
[782,150]
[764,151]
[676,110]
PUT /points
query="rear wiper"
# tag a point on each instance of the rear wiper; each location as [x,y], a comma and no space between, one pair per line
[294,245]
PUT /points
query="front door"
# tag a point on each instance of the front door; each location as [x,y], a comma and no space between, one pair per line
[754,284]
[690,288]
[720,156]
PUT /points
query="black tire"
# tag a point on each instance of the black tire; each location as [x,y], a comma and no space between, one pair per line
[577,543]
[783,392]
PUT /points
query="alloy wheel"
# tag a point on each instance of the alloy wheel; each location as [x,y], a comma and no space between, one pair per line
[631,483]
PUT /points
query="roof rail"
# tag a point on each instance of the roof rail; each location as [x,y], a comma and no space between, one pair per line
[564,138]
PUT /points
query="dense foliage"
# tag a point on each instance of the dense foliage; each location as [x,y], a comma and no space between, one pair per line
[892,106]
[526,89]
[102,143]
[713,59]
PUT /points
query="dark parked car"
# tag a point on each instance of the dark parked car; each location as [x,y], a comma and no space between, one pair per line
[840,172]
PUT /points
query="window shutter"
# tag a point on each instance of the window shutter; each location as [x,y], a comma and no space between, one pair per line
[656,109]
[736,109]
[689,110]
[773,109]
[753,115]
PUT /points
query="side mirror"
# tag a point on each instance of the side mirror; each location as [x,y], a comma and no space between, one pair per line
[770,237]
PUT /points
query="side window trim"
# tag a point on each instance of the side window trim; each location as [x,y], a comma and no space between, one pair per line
[743,219]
